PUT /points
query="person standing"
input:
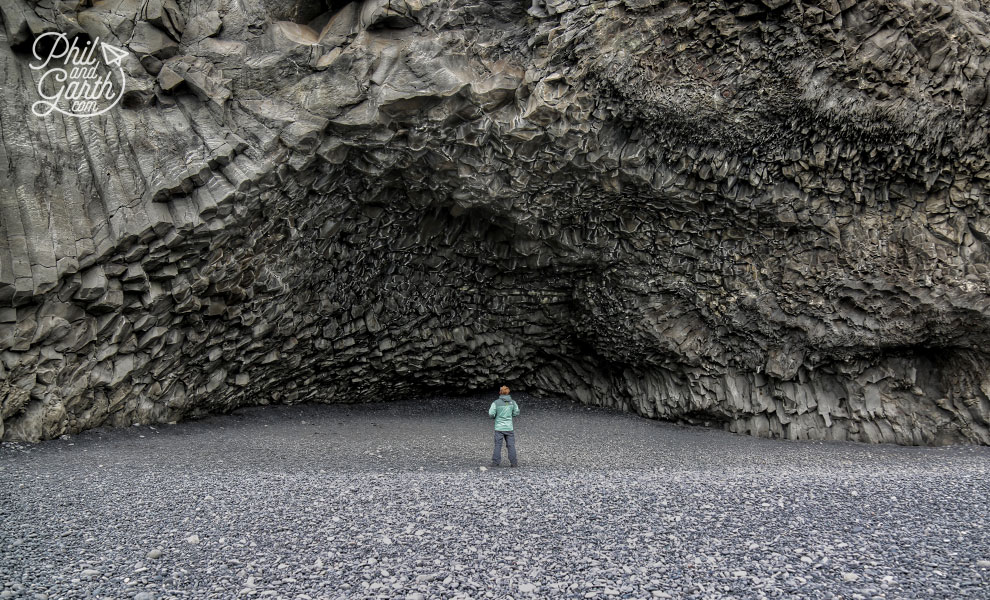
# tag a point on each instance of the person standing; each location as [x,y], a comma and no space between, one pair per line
[502,410]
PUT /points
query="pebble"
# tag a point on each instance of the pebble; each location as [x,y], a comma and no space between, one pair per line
[626,515]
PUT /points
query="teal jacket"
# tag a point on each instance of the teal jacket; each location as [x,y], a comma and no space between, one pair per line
[502,411]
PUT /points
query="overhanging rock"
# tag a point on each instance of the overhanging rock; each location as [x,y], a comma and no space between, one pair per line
[770,216]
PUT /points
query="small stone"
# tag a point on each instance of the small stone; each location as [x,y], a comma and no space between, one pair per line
[89,573]
[155,553]
[415,596]
[983,563]
[850,577]
[145,596]
[193,539]
[526,588]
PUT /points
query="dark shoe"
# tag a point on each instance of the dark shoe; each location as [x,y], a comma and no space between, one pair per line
[515,465]
[493,465]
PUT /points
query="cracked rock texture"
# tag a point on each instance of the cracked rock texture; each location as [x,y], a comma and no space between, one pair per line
[769,216]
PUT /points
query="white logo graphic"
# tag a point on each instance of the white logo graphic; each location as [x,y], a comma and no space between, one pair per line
[76,83]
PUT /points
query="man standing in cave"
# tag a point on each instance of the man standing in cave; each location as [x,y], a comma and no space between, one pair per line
[502,410]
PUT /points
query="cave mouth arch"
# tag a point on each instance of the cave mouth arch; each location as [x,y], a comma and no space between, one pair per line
[651,267]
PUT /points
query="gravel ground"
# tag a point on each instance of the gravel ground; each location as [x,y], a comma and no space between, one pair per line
[389,501]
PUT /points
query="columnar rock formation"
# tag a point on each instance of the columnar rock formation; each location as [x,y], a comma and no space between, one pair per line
[766,215]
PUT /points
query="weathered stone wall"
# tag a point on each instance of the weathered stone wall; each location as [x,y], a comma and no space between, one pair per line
[768,215]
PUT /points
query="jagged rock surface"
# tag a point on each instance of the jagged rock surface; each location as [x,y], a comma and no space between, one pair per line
[769,215]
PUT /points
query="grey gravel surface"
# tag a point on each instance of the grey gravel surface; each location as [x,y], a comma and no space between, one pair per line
[390,501]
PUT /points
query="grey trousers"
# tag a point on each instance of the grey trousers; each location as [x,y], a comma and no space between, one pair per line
[510,445]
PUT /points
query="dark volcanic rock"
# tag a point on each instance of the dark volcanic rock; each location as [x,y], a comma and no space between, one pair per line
[769,216]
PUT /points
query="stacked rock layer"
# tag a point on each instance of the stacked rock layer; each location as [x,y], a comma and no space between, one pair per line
[769,216]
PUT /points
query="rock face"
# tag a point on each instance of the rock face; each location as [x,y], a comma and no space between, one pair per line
[766,215]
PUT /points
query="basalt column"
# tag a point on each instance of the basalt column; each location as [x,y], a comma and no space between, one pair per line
[768,216]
